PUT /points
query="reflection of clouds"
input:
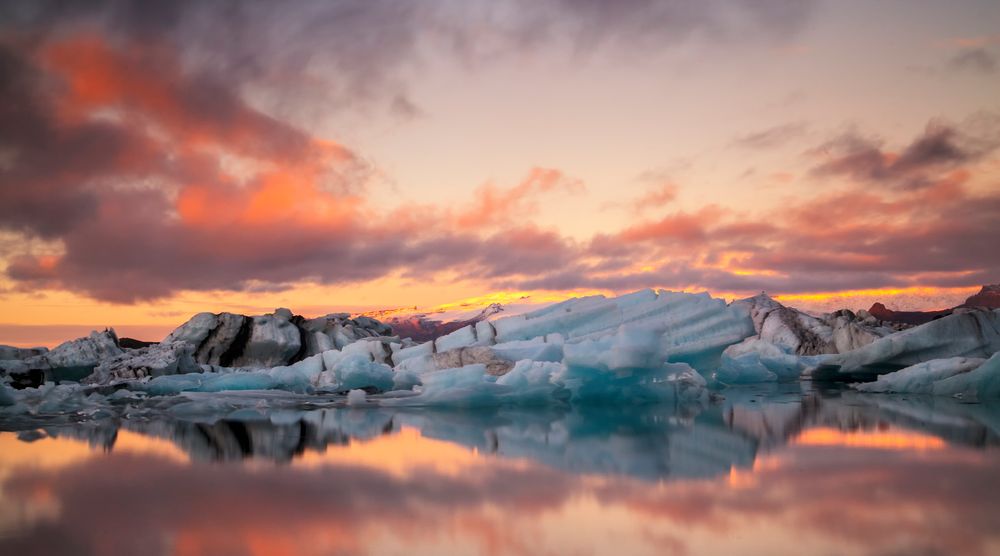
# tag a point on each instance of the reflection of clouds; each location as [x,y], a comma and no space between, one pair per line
[130,503]
[881,500]
[841,474]
[941,502]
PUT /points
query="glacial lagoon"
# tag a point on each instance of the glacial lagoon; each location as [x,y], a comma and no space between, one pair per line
[765,469]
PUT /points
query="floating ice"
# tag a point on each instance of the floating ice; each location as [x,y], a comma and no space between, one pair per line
[756,360]
[70,360]
[969,333]
[8,353]
[982,383]
[228,339]
[690,328]
[356,397]
[921,378]
[528,383]
[155,360]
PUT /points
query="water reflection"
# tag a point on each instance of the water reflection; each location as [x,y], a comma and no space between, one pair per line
[765,470]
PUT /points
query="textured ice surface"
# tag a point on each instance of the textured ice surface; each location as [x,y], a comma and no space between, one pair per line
[10,352]
[528,383]
[688,328]
[70,360]
[628,366]
[921,378]
[982,383]
[756,360]
[973,333]
[155,360]
[228,339]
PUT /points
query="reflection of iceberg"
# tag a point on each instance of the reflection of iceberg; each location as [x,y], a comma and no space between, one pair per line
[774,424]
[648,443]
[279,437]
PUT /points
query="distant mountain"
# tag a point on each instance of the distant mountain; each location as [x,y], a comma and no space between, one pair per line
[988,296]
[422,325]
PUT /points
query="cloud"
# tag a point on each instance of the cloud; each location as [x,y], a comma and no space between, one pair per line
[353,54]
[656,197]
[494,205]
[139,173]
[978,60]
[941,147]
[772,137]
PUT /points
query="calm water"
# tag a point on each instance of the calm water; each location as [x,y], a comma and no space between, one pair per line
[765,471]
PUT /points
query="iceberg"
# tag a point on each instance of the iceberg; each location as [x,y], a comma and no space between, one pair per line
[152,361]
[981,383]
[527,383]
[756,360]
[691,328]
[964,333]
[279,338]
[69,361]
[8,353]
[800,333]
[920,378]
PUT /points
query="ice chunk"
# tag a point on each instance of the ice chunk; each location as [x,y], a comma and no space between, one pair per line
[172,384]
[419,350]
[973,333]
[228,339]
[485,332]
[308,370]
[463,337]
[803,334]
[356,397]
[7,396]
[532,382]
[11,352]
[155,360]
[535,350]
[355,371]
[472,386]
[756,360]
[72,360]
[237,381]
[691,328]
[273,341]
[496,364]
[628,366]
[982,383]
[405,380]
[920,378]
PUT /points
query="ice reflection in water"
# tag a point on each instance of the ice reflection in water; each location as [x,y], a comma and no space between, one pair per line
[767,470]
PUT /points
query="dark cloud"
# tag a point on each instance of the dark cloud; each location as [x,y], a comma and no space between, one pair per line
[350,52]
[974,59]
[940,148]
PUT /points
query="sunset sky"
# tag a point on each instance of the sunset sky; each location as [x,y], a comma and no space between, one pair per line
[160,158]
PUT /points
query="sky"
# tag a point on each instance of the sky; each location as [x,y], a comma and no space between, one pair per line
[161,158]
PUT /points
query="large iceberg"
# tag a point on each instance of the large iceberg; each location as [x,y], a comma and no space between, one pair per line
[689,328]
[788,341]
[965,333]
[280,338]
